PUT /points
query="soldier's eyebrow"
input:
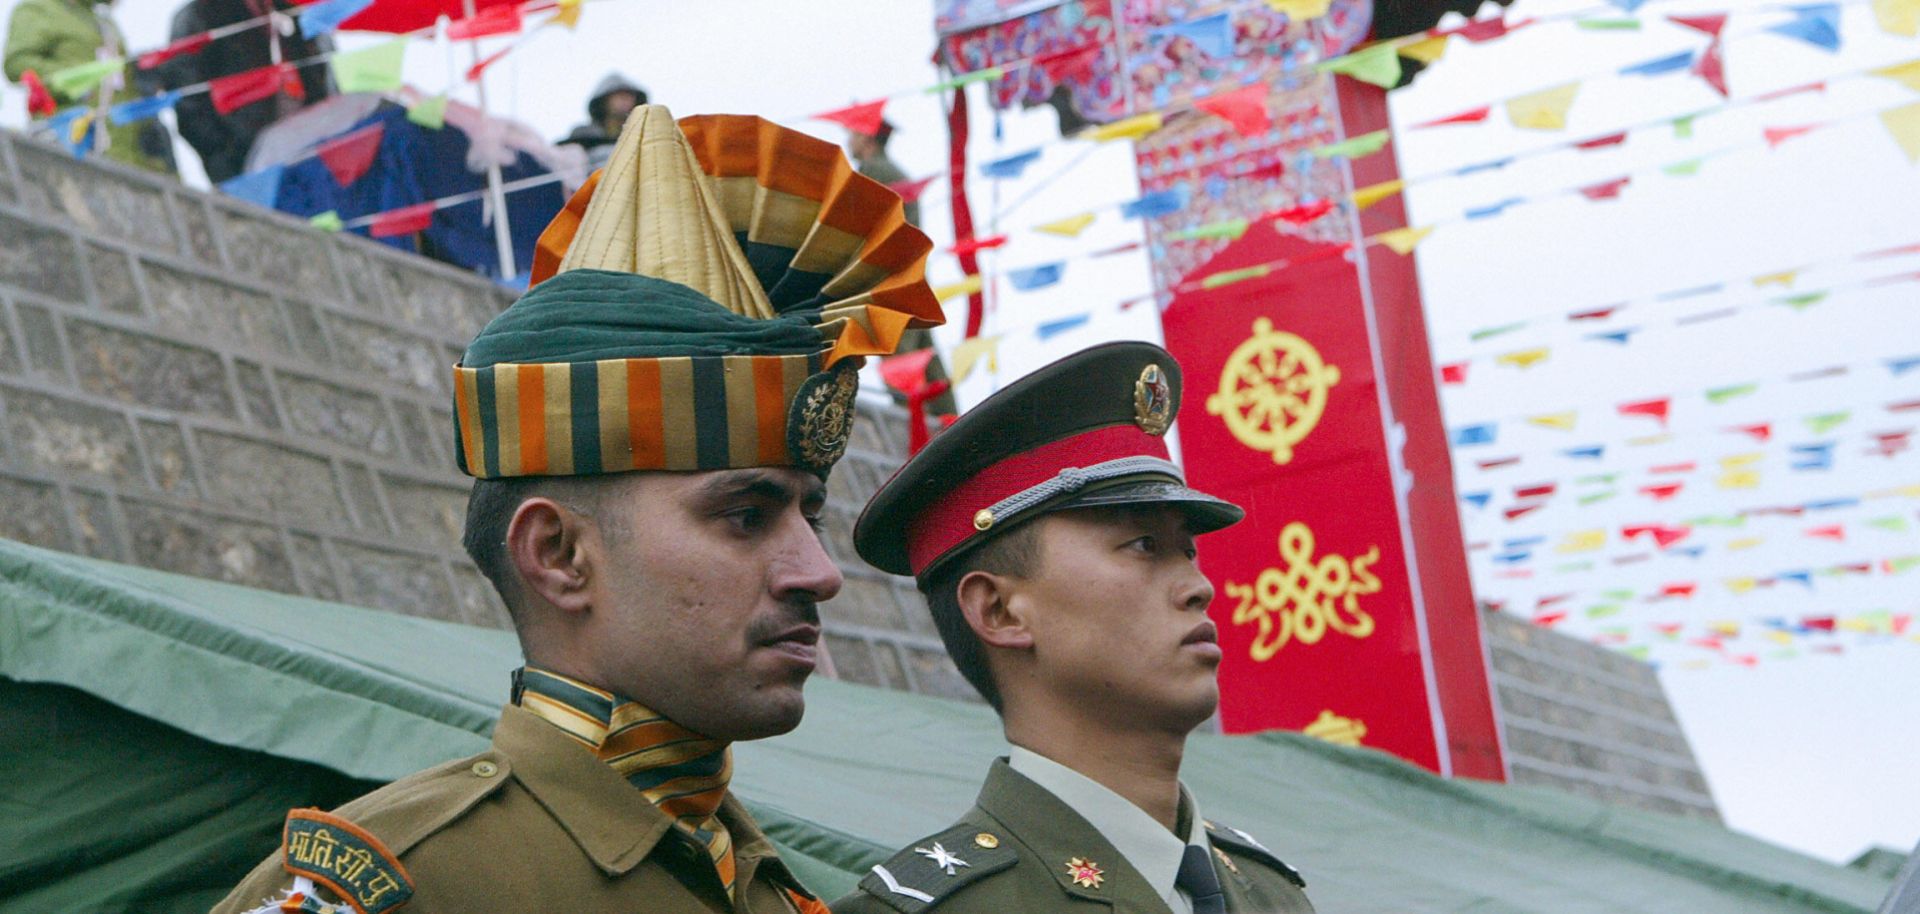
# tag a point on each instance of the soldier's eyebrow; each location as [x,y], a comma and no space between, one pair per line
[760,484]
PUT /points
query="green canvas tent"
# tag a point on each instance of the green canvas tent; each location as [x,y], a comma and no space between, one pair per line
[154,728]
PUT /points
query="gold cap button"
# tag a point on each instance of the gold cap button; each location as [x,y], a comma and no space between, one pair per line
[986,840]
[983,519]
[485,769]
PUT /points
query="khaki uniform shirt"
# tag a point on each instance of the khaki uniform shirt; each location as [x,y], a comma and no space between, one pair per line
[1021,848]
[538,824]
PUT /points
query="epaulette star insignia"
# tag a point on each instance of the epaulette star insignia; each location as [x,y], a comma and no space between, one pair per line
[1085,873]
[941,857]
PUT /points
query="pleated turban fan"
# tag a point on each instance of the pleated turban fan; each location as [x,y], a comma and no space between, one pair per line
[700,304]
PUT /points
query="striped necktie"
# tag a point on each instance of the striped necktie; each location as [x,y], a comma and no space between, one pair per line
[679,771]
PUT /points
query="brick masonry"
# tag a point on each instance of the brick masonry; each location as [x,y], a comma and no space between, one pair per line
[192,384]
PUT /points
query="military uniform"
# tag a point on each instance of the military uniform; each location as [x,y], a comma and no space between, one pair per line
[535,824]
[1084,432]
[1021,848]
[702,304]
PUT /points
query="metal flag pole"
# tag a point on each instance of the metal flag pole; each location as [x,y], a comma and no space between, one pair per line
[502,232]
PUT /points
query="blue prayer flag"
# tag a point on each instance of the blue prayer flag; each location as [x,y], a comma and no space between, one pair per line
[256,187]
[1040,277]
[322,18]
[1903,365]
[1158,203]
[1476,499]
[1475,434]
[1012,166]
[1212,34]
[1626,5]
[1817,25]
[1492,210]
[141,109]
[1614,336]
[1805,578]
[1509,558]
[1052,329]
[1589,452]
[1659,65]
[1478,167]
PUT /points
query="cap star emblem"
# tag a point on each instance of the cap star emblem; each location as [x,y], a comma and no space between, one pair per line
[941,857]
[1085,873]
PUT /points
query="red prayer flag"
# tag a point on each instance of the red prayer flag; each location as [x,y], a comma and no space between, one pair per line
[403,221]
[1594,315]
[1245,108]
[1834,532]
[349,155]
[1454,374]
[1759,431]
[192,44]
[1547,620]
[1905,406]
[473,72]
[1069,63]
[230,93]
[1662,491]
[1793,90]
[970,245]
[1497,463]
[39,101]
[907,372]
[1746,659]
[1855,568]
[494,20]
[1481,30]
[1818,623]
[1687,467]
[1601,142]
[864,118]
[1515,513]
[1777,135]
[1653,409]
[1710,642]
[910,190]
[1891,252]
[1605,190]
[1669,629]
[1545,602]
[1712,68]
[1684,591]
[1474,116]
[1711,24]
[1541,490]
[1301,215]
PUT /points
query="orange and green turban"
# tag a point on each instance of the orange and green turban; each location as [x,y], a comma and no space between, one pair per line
[701,304]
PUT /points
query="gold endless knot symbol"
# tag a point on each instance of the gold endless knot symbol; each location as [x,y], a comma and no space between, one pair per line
[1273,390]
[1306,599]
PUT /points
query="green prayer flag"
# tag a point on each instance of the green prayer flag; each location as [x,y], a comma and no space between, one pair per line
[1824,422]
[1597,479]
[374,69]
[1603,610]
[1490,332]
[1596,497]
[1378,65]
[1365,144]
[429,112]
[1783,654]
[967,79]
[1231,228]
[1572,567]
[1903,563]
[328,221]
[1893,522]
[1802,301]
[1685,169]
[1683,127]
[74,82]
[1719,520]
[1229,277]
[1617,594]
[1720,395]
[1609,25]
[1637,651]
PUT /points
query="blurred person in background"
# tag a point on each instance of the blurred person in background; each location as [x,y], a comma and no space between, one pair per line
[48,36]
[613,99]
[224,140]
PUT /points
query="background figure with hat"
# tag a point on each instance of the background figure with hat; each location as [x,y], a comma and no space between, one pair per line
[613,99]
[1054,540]
[651,426]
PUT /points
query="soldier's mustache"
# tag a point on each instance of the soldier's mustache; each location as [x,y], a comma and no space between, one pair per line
[771,627]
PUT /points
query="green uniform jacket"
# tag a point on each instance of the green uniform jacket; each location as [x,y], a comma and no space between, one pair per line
[1017,841]
[47,36]
[537,824]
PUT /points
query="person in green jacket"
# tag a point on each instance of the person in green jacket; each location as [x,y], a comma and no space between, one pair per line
[1055,542]
[47,36]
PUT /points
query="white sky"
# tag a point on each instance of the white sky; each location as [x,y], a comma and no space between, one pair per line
[1813,753]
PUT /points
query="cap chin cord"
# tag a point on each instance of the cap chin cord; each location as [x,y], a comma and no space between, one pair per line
[1073,479]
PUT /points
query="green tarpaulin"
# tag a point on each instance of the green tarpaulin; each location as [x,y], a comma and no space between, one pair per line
[153,727]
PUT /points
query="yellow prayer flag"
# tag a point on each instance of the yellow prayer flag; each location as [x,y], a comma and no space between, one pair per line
[1728,629]
[1543,110]
[966,286]
[1582,541]
[1906,74]
[1745,542]
[1645,440]
[1739,586]
[1300,10]
[1780,638]
[1898,17]
[1070,227]
[568,14]
[1742,461]
[1904,123]
[1374,193]
[1855,624]
[1784,279]
[1426,50]
[1403,240]
[1739,479]
[1131,128]
[1525,358]
[1562,421]
[968,354]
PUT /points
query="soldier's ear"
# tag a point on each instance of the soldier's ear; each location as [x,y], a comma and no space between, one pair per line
[546,543]
[998,619]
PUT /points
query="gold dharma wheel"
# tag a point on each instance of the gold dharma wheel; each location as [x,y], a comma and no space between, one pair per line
[1273,390]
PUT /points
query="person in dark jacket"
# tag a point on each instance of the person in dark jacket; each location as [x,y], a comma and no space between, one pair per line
[613,99]
[223,140]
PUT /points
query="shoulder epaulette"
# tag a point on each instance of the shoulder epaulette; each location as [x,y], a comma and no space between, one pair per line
[933,869]
[343,857]
[1248,846]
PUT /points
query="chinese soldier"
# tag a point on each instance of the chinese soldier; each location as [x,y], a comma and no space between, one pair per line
[1054,541]
[650,427]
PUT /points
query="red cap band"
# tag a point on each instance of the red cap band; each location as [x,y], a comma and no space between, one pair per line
[948,523]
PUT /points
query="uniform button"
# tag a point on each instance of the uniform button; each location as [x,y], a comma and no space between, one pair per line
[986,840]
[485,769]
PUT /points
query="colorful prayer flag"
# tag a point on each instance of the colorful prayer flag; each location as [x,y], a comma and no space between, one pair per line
[403,221]
[1245,108]
[349,155]
[1028,279]
[1543,110]
[1070,227]
[325,17]
[1904,124]
[1365,144]
[373,69]
[969,354]
[1377,65]
[864,118]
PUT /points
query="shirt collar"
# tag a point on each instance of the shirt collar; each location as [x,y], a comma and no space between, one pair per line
[1152,850]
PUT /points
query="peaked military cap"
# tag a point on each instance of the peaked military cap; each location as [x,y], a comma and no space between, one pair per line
[1085,431]
[701,303]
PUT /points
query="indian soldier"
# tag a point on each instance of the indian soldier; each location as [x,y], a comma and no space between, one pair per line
[1054,541]
[650,426]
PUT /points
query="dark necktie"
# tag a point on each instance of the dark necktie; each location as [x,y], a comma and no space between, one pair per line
[1196,878]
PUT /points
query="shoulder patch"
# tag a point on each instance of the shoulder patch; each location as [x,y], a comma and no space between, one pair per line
[344,858]
[920,877]
[1248,846]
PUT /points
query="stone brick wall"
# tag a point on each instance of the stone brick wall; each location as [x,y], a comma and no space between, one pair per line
[192,384]
[1587,720]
